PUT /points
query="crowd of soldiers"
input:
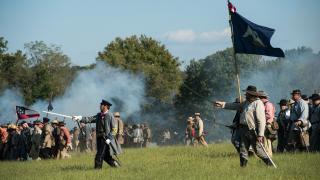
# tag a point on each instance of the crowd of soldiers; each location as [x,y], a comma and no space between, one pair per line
[46,140]
[40,140]
[256,127]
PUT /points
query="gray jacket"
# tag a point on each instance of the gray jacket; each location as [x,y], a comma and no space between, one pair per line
[105,127]
[252,114]
[299,111]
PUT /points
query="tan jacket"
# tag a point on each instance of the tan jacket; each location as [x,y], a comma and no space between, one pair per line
[253,114]
[199,129]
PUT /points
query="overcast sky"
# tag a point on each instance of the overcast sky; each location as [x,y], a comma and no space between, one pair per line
[188,28]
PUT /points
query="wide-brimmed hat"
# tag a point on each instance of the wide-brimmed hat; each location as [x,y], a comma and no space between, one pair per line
[305,97]
[116,114]
[55,121]
[283,102]
[45,120]
[37,122]
[12,126]
[296,91]
[263,94]
[316,97]
[197,114]
[252,90]
[313,95]
[61,123]
[190,118]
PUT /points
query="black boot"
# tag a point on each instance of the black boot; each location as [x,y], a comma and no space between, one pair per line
[267,161]
[243,162]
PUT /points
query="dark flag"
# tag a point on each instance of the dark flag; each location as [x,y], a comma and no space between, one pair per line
[25,113]
[50,107]
[250,38]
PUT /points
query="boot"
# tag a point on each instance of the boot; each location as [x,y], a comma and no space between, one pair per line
[243,162]
[267,161]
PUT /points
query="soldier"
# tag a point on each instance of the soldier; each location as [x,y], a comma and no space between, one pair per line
[270,133]
[56,137]
[315,123]
[119,124]
[190,132]
[235,137]
[46,139]
[3,140]
[252,124]
[84,138]
[35,140]
[166,137]
[146,135]
[106,129]
[198,127]
[93,139]
[64,141]
[298,134]
[27,133]
[75,139]
[128,138]
[137,135]
[13,143]
[283,121]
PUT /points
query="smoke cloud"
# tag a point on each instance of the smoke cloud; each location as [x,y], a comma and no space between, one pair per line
[9,99]
[126,91]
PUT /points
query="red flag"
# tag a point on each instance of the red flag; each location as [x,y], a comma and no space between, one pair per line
[231,7]
[25,113]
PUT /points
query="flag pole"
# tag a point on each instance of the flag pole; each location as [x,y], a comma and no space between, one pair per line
[234,56]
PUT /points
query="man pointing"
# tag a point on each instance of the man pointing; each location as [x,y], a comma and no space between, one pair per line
[252,124]
[106,130]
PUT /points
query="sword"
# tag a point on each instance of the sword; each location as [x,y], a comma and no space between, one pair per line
[66,116]
[274,165]
[57,114]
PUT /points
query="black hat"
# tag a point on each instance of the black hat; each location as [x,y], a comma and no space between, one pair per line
[316,97]
[22,122]
[296,91]
[252,90]
[61,123]
[313,95]
[283,102]
[305,97]
[45,120]
[37,122]
[106,103]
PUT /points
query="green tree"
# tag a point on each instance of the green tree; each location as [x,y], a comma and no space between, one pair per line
[143,54]
[51,71]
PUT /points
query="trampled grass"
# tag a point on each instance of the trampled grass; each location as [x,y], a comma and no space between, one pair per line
[219,161]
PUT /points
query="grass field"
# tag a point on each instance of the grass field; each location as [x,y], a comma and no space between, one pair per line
[219,161]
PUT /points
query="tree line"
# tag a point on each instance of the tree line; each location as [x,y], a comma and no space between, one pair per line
[44,72]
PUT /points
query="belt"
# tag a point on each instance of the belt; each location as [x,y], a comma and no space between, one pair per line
[242,126]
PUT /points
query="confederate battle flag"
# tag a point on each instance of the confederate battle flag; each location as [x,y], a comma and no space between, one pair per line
[25,113]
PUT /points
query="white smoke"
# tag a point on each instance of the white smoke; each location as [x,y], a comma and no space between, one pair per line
[9,99]
[123,89]
[126,91]
[296,72]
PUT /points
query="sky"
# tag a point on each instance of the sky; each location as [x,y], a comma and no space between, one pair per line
[189,29]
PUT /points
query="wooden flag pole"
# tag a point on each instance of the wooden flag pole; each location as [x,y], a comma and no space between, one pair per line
[235,57]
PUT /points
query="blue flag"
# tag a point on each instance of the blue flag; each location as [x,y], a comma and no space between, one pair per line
[250,38]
